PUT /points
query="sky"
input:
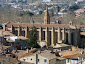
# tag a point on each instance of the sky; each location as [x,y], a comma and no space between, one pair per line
[46,0]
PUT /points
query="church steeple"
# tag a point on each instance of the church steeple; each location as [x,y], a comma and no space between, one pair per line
[46,17]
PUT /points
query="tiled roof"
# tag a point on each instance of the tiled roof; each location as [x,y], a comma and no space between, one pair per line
[10,60]
[75,56]
[38,25]
[22,37]
[80,10]
[82,33]
[67,26]
[60,58]
[47,55]
[33,50]
[5,47]
[68,52]
[20,53]
[6,33]
[27,54]
[82,55]
[26,62]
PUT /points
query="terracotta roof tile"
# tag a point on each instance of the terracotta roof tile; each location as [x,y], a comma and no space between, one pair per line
[82,55]
[38,25]
[75,56]
[68,52]
[47,55]
[82,33]
[27,54]
[26,62]
[60,58]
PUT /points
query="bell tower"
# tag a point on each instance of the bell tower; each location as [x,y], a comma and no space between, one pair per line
[46,17]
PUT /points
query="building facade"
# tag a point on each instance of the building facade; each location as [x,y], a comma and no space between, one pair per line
[47,34]
[41,58]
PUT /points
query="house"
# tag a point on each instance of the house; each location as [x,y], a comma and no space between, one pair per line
[6,59]
[80,12]
[6,49]
[9,39]
[18,42]
[47,34]
[81,59]
[82,39]
[72,56]
[61,60]
[43,57]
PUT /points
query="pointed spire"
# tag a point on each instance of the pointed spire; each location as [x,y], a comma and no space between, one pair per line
[46,17]
[46,13]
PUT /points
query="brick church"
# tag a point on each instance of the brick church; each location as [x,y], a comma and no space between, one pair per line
[47,34]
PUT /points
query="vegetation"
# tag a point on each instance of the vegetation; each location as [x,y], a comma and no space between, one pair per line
[27,13]
[40,12]
[58,8]
[73,7]
[15,15]
[80,20]
[1,27]
[33,38]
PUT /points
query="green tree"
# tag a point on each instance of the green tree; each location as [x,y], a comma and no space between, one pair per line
[73,7]
[20,1]
[40,12]
[58,8]
[29,13]
[33,38]
[52,12]
[1,26]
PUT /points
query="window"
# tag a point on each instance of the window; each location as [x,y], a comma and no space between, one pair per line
[24,59]
[38,60]
[43,36]
[72,61]
[66,37]
[31,58]
[45,61]
[68,60]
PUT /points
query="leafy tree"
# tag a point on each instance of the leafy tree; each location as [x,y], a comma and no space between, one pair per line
[58,8]
[40,12]
[26,13]
[20,0]
[52,12]
[73,7]
[1,27]
[33,38]
[81,23]
[29,13]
